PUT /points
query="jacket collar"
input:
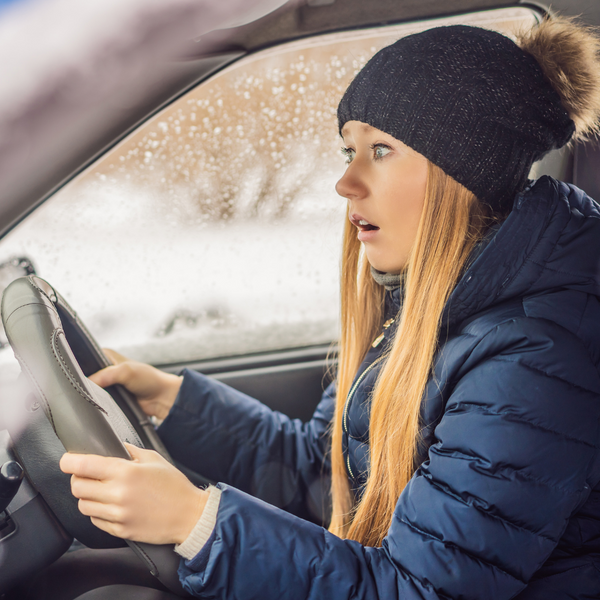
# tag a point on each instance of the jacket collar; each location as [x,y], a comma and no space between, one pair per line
[550,239]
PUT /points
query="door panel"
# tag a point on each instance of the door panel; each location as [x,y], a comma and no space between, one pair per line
[288,381]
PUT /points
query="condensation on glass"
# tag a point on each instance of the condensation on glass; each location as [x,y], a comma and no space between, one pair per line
[214,229]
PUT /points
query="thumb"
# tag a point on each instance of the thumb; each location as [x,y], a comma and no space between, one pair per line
[138,454]
[107,376]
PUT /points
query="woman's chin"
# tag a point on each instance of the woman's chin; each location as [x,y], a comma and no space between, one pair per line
[390,267]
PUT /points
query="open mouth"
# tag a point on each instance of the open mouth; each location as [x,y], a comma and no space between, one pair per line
[366,226]
[362,224]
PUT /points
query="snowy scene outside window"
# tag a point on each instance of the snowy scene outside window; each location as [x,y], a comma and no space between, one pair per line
[214,229]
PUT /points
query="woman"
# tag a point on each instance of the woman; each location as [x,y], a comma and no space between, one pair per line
[465,436]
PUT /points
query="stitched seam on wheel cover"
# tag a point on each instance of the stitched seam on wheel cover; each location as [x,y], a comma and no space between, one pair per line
[101,399]
[65,369]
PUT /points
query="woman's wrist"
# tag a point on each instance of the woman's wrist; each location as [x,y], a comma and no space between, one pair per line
[191,512]
[204,528]
[166,404]
[160,405]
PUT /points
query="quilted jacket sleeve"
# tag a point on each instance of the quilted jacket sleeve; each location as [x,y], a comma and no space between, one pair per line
[516,453]
[227,436]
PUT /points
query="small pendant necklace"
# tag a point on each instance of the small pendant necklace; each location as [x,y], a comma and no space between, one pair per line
[380,337]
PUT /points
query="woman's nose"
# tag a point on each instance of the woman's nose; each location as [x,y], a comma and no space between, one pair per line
[351,185]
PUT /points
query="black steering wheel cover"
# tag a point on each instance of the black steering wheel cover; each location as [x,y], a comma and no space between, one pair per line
[74,409]
[91,359]
[39,451]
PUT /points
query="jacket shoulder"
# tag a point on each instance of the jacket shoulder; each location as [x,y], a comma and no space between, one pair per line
[555,333]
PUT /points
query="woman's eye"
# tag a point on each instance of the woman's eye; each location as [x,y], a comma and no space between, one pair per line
[348,154]
[380,150]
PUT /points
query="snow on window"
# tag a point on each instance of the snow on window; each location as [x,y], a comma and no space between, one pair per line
[214,229]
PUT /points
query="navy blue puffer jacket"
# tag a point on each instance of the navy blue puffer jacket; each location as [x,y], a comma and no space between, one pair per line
[506,501]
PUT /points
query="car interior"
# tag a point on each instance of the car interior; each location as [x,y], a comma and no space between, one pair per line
[198,228]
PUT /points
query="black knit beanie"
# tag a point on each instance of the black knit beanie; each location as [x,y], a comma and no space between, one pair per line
[468,99]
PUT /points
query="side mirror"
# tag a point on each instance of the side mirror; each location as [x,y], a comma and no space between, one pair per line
[11,269]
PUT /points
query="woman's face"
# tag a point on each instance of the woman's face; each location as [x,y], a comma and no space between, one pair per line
[385,186]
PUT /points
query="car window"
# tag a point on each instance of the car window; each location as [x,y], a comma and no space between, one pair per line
[214,229]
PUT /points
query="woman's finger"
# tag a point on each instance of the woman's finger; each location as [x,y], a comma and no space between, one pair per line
[116,529]
[113,374]
[90,489]
[114,356]
[111,513]
[142,455]
[95,490]
[90,466]
[110,375]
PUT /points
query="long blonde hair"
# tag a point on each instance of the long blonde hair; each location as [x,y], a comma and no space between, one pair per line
[451,223]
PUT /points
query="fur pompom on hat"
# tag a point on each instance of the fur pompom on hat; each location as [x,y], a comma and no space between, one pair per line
[480,106]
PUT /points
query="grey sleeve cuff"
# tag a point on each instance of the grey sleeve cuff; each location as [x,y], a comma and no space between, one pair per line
[203,528]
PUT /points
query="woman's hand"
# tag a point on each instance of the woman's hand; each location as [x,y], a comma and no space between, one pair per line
[155,390]
[145,499]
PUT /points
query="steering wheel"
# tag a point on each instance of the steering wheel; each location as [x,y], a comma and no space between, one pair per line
[56,353]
